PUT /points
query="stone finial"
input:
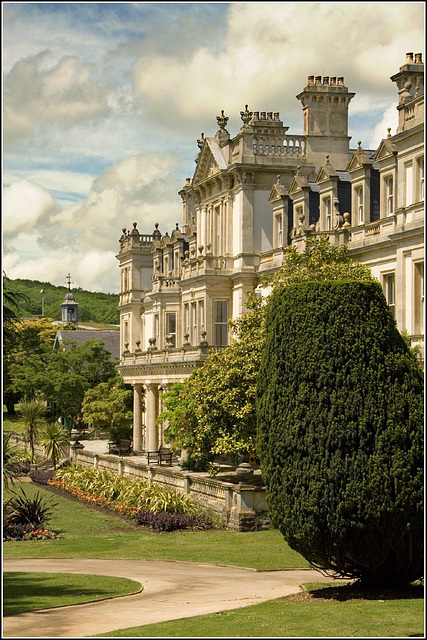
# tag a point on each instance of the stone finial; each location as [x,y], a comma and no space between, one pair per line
[388,132]
[134,231]
[359,145]
[278,180]
[124,230]
[201,141]
[222,120]
[327,159]
[246,115]
[346,217]
[186,339]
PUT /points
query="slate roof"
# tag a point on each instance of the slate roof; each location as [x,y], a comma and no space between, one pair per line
[109,337]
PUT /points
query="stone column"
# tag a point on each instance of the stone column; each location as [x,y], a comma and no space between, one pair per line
[137,418]
[151,401]
[163,388]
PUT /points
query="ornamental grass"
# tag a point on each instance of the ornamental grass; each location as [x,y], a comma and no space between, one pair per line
[121,493]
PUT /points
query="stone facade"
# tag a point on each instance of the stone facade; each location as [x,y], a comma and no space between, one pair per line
[249,198]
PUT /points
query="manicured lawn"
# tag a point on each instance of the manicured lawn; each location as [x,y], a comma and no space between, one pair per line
[87,533]
[287,618]
[27,591]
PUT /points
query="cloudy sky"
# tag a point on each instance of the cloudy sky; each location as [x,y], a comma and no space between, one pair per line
[103,104]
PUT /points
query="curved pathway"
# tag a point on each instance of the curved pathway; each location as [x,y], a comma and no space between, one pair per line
[171,590]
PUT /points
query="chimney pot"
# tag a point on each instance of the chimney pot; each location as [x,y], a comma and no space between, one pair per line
[340,81]
[310,80]
[269,115]
[256,115]
[318,79]
[325,79]
[262,115]
[409,57]
[333,81]
[187,180]
[418,58]
[276,115]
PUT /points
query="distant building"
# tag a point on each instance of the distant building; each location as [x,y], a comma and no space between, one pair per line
[109,337]
[250,197]
[70,311]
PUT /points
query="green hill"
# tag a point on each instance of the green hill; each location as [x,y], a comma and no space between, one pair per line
[93,307]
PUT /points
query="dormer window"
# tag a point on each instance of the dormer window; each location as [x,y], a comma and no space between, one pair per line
[328,214]
[389,195]
[359,204]
[279,222]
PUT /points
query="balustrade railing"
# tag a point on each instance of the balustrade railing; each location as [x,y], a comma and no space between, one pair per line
[290,146]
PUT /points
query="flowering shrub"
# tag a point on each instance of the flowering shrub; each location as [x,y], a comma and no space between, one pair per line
[40,534]
[120,493]
[41,477]
[162,521]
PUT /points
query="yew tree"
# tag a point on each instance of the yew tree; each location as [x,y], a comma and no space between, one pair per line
[340,429]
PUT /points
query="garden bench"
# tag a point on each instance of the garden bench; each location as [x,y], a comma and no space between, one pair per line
[124,446]
[163,454]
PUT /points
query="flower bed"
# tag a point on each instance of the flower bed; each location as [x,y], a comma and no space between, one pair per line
[129,497]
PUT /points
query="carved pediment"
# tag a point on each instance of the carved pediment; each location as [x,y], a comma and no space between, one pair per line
[385,150]
[278,191]
[359,159]
[298,183]
[326,172]
[207,164]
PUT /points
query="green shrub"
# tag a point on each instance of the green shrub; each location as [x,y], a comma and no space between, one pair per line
[340,420]
[28,511]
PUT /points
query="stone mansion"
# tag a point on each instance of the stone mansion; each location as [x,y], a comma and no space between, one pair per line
[249,198]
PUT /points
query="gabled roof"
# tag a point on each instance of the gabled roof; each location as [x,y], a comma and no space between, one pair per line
[360,158]
[385,149]
[298,183]
[326,172]
[211,160]
[277,192]
[109,337]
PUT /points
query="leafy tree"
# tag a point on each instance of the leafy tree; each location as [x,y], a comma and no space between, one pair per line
[109,406]
[11,323]
[63,376]
[32,413]
[53,438]
[340,419]
[213,412]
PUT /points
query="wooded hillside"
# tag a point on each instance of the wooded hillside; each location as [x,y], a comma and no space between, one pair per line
[94,307]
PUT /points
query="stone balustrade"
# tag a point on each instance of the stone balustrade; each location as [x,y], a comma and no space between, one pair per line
[291,146]
[241,506]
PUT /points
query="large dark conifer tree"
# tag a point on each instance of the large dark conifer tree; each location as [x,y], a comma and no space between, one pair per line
[340,422]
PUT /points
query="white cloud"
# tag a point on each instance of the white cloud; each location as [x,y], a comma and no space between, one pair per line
[389,121]
[44,240]
[25,205]
[270,49]
[62,94]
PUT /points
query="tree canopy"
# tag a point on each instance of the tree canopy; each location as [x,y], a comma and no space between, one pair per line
[213,412]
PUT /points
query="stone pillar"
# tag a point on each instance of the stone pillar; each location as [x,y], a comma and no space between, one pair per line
[151,401]
[163,388]
[137,418]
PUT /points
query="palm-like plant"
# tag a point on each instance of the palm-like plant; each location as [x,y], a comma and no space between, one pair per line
[32,413]
[9,460]
[53,439]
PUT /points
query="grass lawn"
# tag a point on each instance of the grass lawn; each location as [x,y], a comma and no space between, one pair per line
[87,533]
[12,422]
[324,618]
[27,591]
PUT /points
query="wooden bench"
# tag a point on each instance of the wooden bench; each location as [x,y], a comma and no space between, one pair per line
[163,454]
[124,446]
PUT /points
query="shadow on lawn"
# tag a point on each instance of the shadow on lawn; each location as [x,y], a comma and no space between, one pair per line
[355,592]
[25,591]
